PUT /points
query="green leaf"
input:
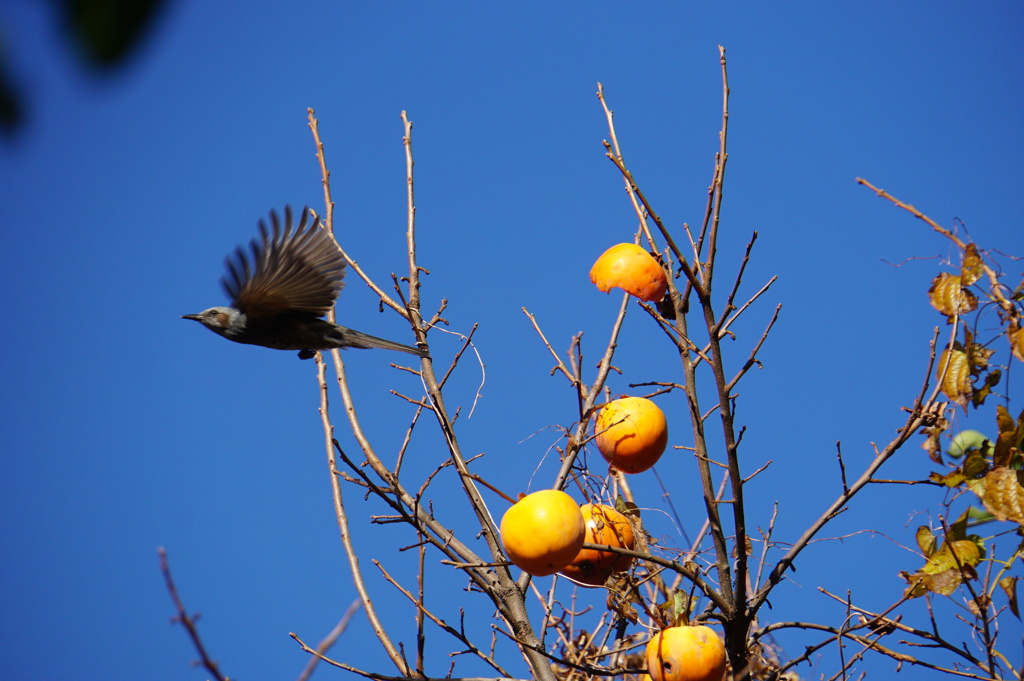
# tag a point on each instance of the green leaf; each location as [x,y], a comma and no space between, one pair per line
[977,516]
[965,441]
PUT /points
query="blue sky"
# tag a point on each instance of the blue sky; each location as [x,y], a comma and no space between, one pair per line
[129,429]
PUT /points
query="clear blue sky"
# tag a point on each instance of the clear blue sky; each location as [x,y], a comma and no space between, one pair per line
[127,428]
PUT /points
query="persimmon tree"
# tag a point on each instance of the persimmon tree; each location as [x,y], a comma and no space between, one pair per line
[723,578]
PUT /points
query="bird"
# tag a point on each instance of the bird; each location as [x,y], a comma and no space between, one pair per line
[281,291]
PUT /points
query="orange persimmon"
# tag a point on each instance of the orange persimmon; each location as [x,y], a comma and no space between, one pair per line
[606,526]
[543,532]
[631,433]
[689,653]
[631,268]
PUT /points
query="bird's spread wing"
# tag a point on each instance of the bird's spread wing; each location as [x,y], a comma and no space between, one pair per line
[300,271]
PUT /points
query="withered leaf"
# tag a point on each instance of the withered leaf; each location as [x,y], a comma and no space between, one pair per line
[954,373]
[954,555]
[1010,439]
[933,432]
[951,479]
[948,295]
[1016,336]
[978,356]
[975,464]
[946,568]
[1009,587]
[991,381]
[973,267]
[926,540]
[1002,493]
[979,604]
[944,583]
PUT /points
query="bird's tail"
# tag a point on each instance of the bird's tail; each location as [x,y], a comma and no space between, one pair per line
[357,339]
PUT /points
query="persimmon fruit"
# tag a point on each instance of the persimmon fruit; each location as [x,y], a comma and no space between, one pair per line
[604,525]
[631,268]
[631,433]
[689,653]
[543,532]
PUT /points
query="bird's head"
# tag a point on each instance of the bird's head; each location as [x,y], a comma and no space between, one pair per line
[223,320]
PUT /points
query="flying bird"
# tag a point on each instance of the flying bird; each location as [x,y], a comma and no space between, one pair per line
[279,293]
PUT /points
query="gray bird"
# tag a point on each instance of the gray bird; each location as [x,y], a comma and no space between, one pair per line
[278,299]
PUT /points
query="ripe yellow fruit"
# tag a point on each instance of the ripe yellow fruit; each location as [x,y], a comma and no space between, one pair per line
[606,526]
[686,654]
[543,532]
[631,433]
[631,268]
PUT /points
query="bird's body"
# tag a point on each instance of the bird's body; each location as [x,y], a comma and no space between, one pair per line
[279,299]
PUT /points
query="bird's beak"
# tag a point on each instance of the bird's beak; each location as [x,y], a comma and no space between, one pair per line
[190,316]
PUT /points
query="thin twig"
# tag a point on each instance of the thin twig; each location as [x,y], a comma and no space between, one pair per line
[330,639]
[341,517]
[458,635]
[186,620]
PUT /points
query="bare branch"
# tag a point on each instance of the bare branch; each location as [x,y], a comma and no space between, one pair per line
[458,635]
[330,639]
[186,620]
[342,519]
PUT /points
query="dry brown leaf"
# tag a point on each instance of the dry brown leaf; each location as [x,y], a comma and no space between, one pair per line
[978,355]
[956,378]
[944,583]
[926,540]
[1016,336]
[1002,494]
[1010,437]
[954,555]
[973,267]
[945,569]
[937,426]
[948,295]
[1009,587]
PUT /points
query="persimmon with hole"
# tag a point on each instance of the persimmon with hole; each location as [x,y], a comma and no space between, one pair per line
[605,526]
[631,433]
[631,268]
[543,532]
[686,654]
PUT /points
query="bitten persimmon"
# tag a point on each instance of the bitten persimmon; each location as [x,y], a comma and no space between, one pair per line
[631,433]
[543,532]
[631,268]
[686,654]
[606,526]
